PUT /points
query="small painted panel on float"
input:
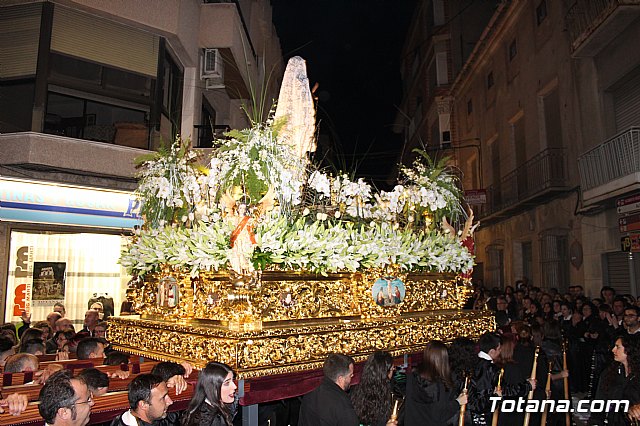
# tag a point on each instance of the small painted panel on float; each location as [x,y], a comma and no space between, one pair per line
[388,291]
[168,292]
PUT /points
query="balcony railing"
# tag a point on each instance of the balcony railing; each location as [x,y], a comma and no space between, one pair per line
[544,172]
[207,134]
[586,15]
[613,159]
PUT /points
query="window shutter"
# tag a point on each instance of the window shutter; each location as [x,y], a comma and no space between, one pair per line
[90,37]
[19,38]
[627,103]
[618,271]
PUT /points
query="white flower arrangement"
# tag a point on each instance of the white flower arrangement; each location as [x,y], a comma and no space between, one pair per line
[169,184]
[255,161]
[347,226]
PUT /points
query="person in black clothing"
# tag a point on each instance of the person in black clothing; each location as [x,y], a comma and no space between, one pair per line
[431,395]
[329,404]
[552,348]
[514,372]
[485,379]
[462,359]
[620,381]
[148,401]
[372,398]
[215,401]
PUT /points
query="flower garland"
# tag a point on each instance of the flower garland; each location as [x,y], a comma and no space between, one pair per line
[319,246]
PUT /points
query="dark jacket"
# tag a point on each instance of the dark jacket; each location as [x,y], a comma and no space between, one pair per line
[483,384]
[127,419]
[208,415]
[327,405]
[429,403]
[615,385]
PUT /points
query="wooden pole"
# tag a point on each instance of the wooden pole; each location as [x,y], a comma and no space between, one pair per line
[463,407]
[494,420]
[533,376]
[567,416]
[547,389]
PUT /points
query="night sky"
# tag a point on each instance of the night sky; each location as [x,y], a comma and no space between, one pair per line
[353,51]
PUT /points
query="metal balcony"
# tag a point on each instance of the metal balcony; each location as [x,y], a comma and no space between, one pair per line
[592,24]
[612,167]
[207,134]
[543,176]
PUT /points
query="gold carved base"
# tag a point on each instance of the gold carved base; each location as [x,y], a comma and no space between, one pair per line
[291,346]
[275,296]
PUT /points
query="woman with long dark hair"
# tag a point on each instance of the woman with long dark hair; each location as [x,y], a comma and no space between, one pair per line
[431,396]
[214,401]
[372,398]
[620,381]
[463,356]
[514,374]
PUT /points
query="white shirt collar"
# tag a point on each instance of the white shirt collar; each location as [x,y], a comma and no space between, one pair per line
[485,355]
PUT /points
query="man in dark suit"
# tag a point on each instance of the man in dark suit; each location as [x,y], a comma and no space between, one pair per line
[329,404]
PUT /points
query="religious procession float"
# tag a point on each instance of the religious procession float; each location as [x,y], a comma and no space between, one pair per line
[264,262]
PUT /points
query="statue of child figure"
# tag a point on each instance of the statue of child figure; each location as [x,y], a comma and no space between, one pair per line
[242,240]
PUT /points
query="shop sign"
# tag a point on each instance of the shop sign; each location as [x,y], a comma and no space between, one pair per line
[23,274]
[630,243]
[628,204]
[629,223]
[476,196]
[45,202]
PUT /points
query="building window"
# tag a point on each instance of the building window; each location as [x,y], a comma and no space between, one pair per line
[527,260]
[495,191]
[513,49]
[553,119]
[438,12]
[442,72]
[541,12]
[490,81]
[554,259]
[469,107]
[172,80]
[106,121]
[207,125]
[495,265]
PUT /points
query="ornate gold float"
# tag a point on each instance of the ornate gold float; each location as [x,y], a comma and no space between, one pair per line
[292,321]
[263,261]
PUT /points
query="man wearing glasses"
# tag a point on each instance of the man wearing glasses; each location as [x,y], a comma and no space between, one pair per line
[65,400]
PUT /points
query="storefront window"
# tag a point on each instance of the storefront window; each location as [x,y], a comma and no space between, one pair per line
[49,267]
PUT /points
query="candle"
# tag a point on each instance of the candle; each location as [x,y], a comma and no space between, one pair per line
[394,412]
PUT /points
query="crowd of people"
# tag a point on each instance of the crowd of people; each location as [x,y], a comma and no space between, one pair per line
[582,348]
[546,346]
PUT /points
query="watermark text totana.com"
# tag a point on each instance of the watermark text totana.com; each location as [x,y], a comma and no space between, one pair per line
[522,405]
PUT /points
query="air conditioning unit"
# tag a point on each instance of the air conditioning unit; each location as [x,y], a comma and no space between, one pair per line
[213,83]
[212,64]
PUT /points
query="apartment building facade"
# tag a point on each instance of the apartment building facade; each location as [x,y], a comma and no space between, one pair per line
[440,38]
[87,86]
[551,93]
